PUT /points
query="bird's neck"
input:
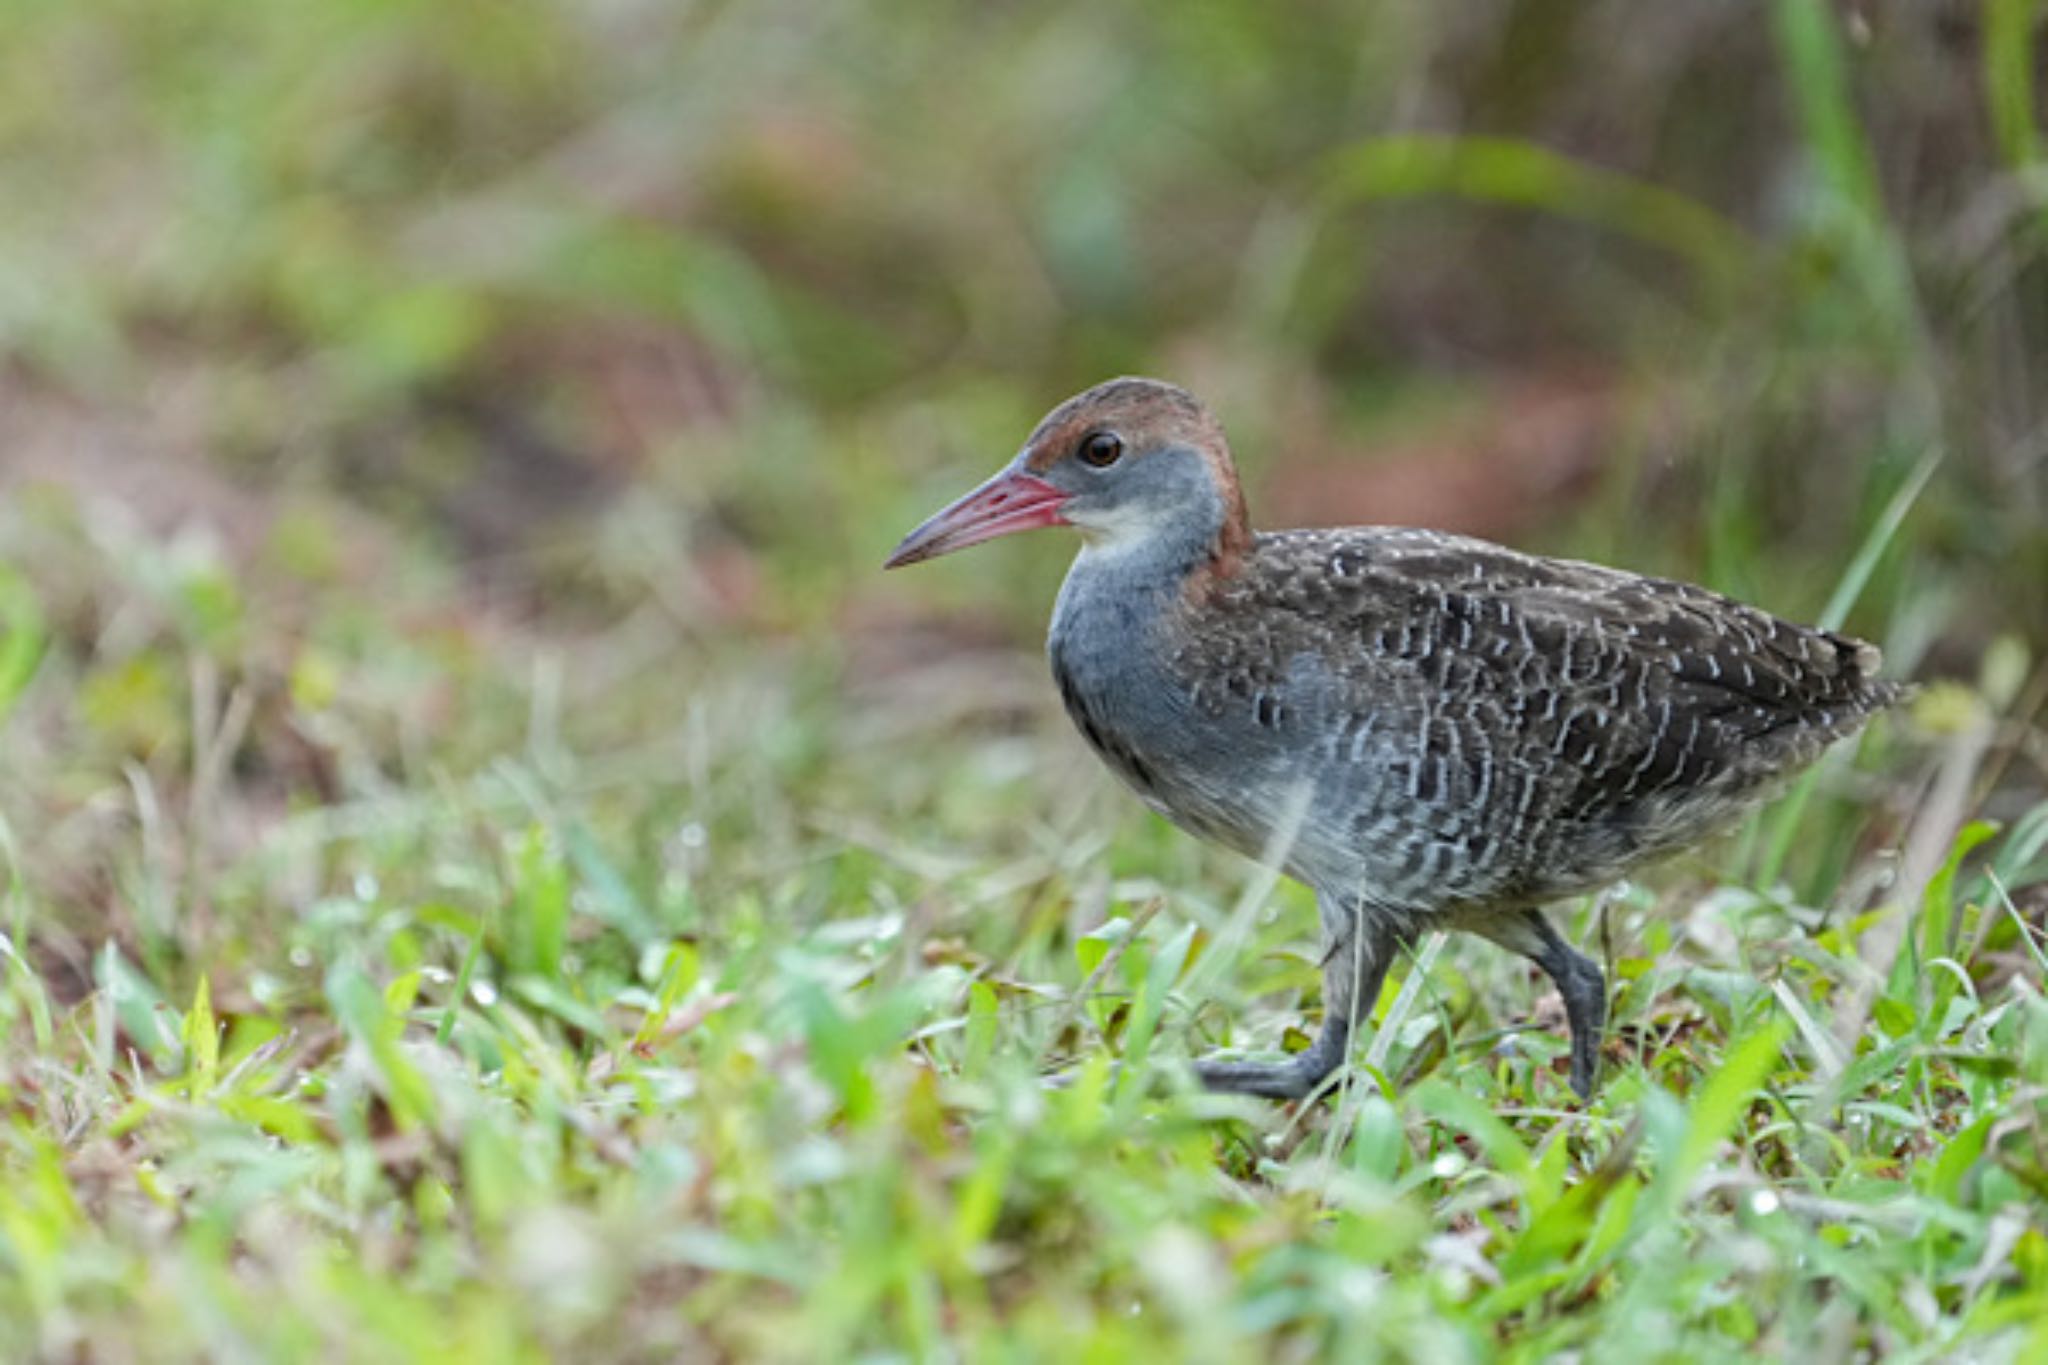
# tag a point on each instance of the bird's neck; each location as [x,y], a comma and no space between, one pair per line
[1112,620]
[1203,538]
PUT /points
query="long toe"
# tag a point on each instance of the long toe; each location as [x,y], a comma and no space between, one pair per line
[1585,1072]
[1587,1008]
[1289,1080]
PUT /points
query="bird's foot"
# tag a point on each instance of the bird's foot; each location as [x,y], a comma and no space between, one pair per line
[1289,1080]
[1580,986]
[1585,1003]
[1585,1072]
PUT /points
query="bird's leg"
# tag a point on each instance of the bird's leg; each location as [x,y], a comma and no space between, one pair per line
[1355,959]
[1580,985]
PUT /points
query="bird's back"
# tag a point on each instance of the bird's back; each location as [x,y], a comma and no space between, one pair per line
[1455,727]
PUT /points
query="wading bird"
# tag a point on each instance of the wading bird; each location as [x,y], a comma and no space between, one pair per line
[1427,730]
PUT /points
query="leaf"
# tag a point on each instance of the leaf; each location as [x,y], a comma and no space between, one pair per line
[201,1037]
[137,1006]
[1471,1115]
[494,1177]
[1553,1234]
[1379,1144]
[540,906]
[553,997]
[1937,905]
[279,1117]
[680,970]
[2018,860]
[1158,972]
[401,991]
[1091,951]
[24,635]
[1808,39]
[1724,1100]
[835,1052]
[453,918]
[983,1015]
[360,1007]
[612,898]
[1938,924]
[1501,170]
[2009,79]
[1894,1016]
[979,1200]
[1093,946]
[463,976]
[1612,1223]
[33,994]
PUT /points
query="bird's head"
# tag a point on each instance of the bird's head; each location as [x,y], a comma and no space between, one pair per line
[1128,462]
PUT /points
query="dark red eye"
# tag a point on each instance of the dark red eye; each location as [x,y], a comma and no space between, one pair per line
[1100,449]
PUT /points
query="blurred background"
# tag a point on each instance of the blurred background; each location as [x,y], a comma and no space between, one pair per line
[356,357]
[1694,286]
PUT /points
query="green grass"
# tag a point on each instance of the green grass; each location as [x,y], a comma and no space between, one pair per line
[642,999]
[490,870]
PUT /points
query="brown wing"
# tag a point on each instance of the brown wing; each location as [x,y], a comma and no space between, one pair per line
[1587,689]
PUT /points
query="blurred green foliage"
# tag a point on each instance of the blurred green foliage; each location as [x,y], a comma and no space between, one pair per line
[407,243]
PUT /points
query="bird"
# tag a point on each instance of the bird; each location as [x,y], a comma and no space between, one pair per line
[1429,731]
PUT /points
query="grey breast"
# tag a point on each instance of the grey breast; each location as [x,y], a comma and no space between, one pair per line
[1219,773]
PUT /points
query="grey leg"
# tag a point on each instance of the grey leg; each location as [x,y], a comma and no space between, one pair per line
[1355,959]
[1579,981]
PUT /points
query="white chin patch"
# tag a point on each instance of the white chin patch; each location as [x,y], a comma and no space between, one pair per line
[1112,529]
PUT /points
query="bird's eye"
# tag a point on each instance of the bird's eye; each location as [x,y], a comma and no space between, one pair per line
[1100,449]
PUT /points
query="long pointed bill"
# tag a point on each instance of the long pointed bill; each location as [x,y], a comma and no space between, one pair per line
[1012,501]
